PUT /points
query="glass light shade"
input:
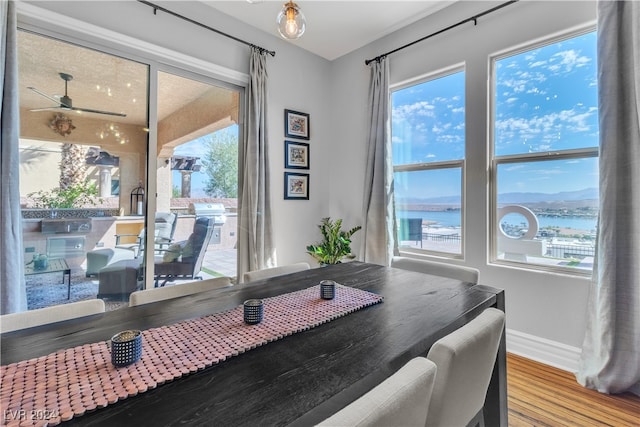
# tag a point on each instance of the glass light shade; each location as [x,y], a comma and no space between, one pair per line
[291,22]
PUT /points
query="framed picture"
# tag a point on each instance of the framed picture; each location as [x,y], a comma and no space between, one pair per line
[296,155]
[296,124]
[296,186]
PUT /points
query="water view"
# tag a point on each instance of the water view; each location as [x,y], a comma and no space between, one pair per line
[452,219]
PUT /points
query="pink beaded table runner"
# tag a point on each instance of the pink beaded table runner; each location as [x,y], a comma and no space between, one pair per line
[66,384]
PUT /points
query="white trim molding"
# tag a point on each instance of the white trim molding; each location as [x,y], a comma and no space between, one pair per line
[55,21]
[542,350]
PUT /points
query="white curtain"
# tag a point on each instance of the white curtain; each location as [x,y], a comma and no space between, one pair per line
[255,242]
[12,288]
[378,245]
[610,360]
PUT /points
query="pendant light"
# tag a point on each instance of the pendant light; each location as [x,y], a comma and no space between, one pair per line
[291,22]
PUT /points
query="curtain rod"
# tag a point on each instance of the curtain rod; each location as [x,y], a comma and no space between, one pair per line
[473,18]
[156,8]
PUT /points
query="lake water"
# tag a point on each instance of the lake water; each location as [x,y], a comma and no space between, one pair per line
[453,219]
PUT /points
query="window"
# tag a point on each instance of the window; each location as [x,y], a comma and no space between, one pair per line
[427,130]
[545,155]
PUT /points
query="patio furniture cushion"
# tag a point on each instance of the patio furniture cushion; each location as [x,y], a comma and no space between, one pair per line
[100,258]
[119,279]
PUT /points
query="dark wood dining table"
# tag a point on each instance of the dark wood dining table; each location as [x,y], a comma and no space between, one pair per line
[300,379]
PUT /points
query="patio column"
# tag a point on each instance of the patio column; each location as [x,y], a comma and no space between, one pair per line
[105,181]
[186,183]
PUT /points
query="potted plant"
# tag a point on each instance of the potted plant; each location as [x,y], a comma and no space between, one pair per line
[335,245]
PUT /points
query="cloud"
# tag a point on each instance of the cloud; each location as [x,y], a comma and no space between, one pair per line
[570,59]
[546,130]
[421,108]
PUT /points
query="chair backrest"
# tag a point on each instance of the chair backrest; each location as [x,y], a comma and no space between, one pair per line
[465,274]
[193,252]
[165,223]
[167,292]
[274,271]
[202,232]
[465,359]
[57,313]
[400,400]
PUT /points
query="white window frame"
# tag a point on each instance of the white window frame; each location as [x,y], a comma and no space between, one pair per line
[496,161]
[441,165]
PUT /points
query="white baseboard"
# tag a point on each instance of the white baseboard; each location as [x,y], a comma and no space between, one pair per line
[542,350]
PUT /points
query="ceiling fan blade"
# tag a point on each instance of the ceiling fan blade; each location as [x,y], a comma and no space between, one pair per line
[57,101]
[68,105]
[89,110]
[50,109]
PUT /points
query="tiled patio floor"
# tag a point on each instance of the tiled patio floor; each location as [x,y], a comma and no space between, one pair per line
[222,261]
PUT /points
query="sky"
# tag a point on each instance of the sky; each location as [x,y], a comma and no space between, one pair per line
[545,100]
[197,148]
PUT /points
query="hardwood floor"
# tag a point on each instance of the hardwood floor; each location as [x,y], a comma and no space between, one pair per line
[541,395]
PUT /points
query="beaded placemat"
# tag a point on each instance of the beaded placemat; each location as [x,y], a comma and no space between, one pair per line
[66,384]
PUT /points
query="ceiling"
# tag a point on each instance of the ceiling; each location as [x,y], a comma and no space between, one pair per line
[100,81]
[334,28]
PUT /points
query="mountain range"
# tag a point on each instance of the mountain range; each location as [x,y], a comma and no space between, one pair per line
[524,198]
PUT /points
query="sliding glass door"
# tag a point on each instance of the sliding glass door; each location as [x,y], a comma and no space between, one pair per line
[89,193]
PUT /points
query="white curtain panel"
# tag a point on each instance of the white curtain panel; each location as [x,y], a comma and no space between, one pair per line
[611,350]
[377,212]
[255,242]
[13,294]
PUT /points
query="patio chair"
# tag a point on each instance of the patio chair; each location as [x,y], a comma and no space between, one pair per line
[183,260]
[165,223]
[97,259]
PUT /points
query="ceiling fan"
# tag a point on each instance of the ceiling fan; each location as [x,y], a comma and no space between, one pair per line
[65,102]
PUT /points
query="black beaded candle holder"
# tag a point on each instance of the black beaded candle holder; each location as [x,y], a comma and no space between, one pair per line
[126,348]
[253,311]
[327,289]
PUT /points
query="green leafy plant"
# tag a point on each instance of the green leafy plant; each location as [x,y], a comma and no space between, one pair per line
[336,243]
[74,196]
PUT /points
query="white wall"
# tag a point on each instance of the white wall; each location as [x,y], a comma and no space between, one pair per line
[335,94]
[545,305]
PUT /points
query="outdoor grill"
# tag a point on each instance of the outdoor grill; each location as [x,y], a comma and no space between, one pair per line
[212,210]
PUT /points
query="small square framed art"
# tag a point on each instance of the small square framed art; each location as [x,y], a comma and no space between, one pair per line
[296,186]
[296,155]
[296,124]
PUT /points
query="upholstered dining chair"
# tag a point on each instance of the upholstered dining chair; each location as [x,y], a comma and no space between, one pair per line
[158,294]
[274,271]
[465,359]
[465,274]
[57,313]
[400,400]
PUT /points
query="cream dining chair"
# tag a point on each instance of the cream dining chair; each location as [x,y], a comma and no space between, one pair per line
[57,313]
[274,271]
[465,274]
[400,400]
[465,359]
[167,292]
